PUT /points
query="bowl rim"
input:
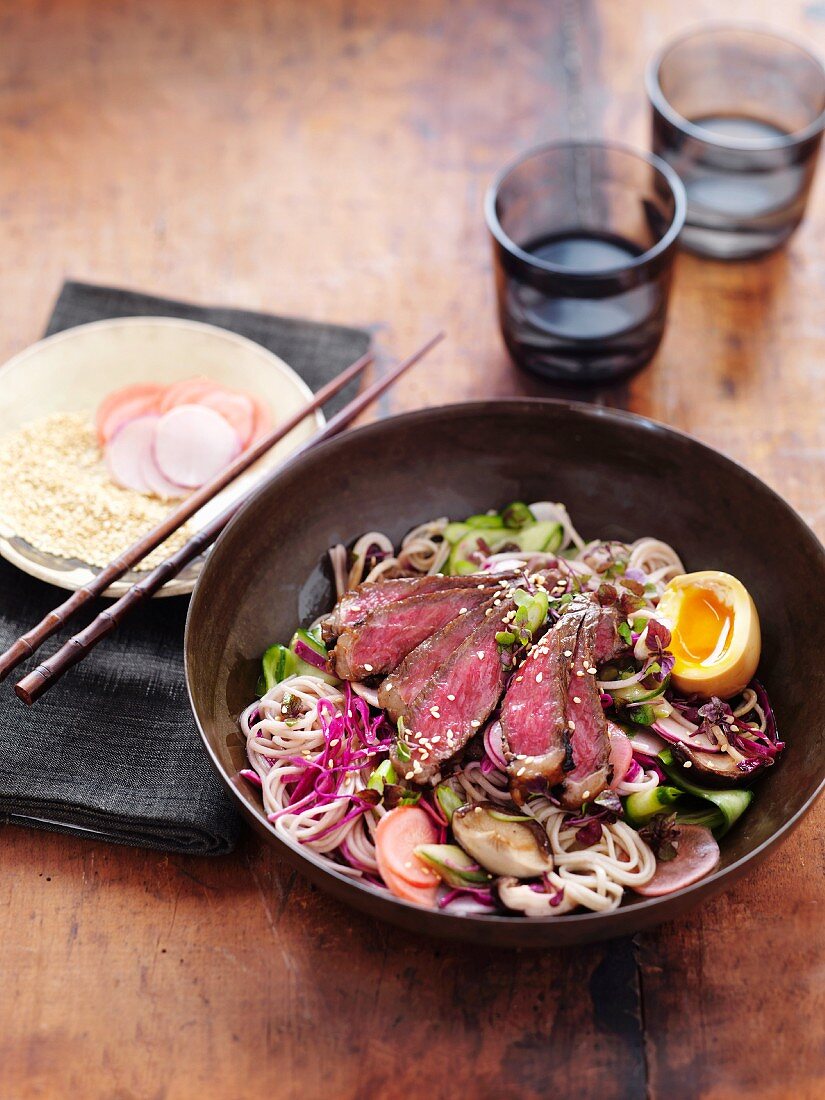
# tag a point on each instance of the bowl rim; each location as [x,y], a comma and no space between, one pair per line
[717,880]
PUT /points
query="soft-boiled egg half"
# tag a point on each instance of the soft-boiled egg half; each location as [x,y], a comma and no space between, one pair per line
[715,636]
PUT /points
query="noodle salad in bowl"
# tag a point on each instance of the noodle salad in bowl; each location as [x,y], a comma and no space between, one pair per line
[500,717]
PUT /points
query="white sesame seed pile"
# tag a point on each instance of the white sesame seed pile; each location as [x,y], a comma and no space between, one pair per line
[56,494]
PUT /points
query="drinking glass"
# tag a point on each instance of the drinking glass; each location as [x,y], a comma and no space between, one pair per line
[738,112]
[584,236]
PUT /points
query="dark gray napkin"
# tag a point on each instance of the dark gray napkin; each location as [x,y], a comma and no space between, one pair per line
[112,751]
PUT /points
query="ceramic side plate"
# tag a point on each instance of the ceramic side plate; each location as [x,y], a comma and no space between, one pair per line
[75,369]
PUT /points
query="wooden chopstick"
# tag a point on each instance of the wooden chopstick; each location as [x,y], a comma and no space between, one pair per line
[37,682]
[29,642]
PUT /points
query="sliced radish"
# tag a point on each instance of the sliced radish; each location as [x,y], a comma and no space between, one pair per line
[126,453]
[263,419]
[237,409]
[159,485]
[621,753]
[186,392]
[193,444]
[697,855]
[123,405]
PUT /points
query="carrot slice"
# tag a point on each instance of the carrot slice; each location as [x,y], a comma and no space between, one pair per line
[236,408]
[186,392]
[421,895]
[397,836]
[136,400]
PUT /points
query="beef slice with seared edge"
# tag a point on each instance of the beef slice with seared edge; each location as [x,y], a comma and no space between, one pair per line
[357,603]
[586,723]
[607,642]
[401,686]
[455,702]
[379,643]
[534,711]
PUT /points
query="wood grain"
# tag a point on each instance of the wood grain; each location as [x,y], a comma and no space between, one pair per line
[329,160]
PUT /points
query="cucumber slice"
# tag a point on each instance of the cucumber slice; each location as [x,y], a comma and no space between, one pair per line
[539,537]
[485,521]
[277,663]
[453,865]
[545,536]
[310,640]
[454,532]
[635,693]
[517,516]
[458,564]
[642,805]
[731,802]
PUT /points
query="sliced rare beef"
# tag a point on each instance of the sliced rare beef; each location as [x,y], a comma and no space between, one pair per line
[455,702]
[607,642]
[383,639]
[355,605]
[534,710]
[586,724]
[401,686]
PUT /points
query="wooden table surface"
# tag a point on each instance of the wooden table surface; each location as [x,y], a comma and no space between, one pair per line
[328,159]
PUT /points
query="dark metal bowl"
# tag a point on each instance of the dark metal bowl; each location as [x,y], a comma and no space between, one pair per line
[621,477]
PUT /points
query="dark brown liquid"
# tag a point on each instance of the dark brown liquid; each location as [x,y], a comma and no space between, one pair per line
[577,337]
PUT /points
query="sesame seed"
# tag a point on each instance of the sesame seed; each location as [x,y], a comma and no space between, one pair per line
[451,698]
[579,672]
[480,654]
[539,677]
[521,771]
[592,670]
[568,652]
[688,764]
[480,586]
[475,723]
[571,725]
[576,699]
[462,610]
[586,794]
[409,775]
[368,667]
[519,679]
[434,711]
[478,809]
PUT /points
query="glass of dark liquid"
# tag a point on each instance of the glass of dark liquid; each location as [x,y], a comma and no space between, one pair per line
[738,112]
[584,237]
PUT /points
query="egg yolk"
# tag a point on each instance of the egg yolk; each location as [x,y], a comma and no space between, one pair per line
[703,632]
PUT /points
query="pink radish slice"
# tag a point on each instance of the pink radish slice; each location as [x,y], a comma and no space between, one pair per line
[128,409]
[186,392]
[159,485]
[193,444]
[621,753]
[263,419]
[126,452]
[697,855]
[236,408]
[142,397]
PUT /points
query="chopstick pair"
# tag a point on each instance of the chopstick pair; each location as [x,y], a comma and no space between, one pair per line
[40,679]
